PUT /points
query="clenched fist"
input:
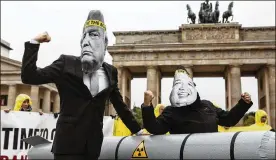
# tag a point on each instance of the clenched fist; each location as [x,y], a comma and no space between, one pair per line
[44,37]
[246,97]
[148,96]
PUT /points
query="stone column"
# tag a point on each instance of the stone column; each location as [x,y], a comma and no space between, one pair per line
[35,98]
[235,87]
[152,83]
[263,90]
[126,78]
[111,109]
[271,80]
[120,69]
[11,96]
[56,103]
[107,109]
[227,77]
[159,77]
[235,84]
[46,101]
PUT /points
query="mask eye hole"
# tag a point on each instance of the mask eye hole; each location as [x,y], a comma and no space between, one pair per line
[94,34]
[190,84]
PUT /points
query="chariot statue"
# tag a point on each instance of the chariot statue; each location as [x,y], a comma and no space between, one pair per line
[208,15]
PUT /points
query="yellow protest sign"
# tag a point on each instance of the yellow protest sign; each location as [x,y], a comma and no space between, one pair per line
[140,152]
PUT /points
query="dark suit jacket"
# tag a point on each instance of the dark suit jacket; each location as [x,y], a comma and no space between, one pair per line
[80,123]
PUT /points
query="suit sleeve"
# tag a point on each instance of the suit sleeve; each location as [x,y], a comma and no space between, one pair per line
[155,125]
[122,109]
[31,74]
[232,117]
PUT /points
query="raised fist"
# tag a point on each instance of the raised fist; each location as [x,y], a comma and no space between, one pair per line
[40,112]
[148,96]
[7,110]
[246,97]
[44,37]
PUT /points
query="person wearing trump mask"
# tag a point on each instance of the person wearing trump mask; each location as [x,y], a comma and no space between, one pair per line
[187,112]
[85,83]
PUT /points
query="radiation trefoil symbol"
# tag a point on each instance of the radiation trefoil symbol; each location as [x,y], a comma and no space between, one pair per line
[140,152]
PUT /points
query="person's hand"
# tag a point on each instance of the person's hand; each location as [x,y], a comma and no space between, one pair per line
[141,132]
[113,116]
[246,97]
[148,96]
[44,37]
[7,110]
[145,133]
[55,115]
[40,112]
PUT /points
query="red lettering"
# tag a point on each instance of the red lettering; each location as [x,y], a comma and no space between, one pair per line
[22,157]
[4,158]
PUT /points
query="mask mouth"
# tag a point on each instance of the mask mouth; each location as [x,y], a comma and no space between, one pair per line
[90,66]
[183,94]
[87,53]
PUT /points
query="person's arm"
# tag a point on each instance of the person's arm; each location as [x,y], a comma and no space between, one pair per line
[30,73]
[232,117]
[122,109]
[152,124]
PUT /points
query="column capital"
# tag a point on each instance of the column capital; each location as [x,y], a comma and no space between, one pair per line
[47,90]
[119,67]
[235,65]
[270,65]
[152,67]
[188,66]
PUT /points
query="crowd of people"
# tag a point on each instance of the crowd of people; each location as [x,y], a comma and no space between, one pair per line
[24,103]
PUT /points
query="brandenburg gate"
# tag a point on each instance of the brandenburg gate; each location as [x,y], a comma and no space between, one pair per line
[206,50]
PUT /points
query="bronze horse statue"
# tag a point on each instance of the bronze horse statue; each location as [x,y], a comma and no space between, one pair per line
[191,15]
[228,13]
[200,15]
[215,14]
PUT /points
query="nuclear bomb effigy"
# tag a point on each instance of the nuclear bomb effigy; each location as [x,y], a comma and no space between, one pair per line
[229,145]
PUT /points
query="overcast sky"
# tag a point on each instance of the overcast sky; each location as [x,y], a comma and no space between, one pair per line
[21,21]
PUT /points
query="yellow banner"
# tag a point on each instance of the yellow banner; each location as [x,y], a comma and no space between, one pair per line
[181,71]
[95,23]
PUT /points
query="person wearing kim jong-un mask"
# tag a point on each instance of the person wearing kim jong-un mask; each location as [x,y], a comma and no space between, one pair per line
[188,113]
